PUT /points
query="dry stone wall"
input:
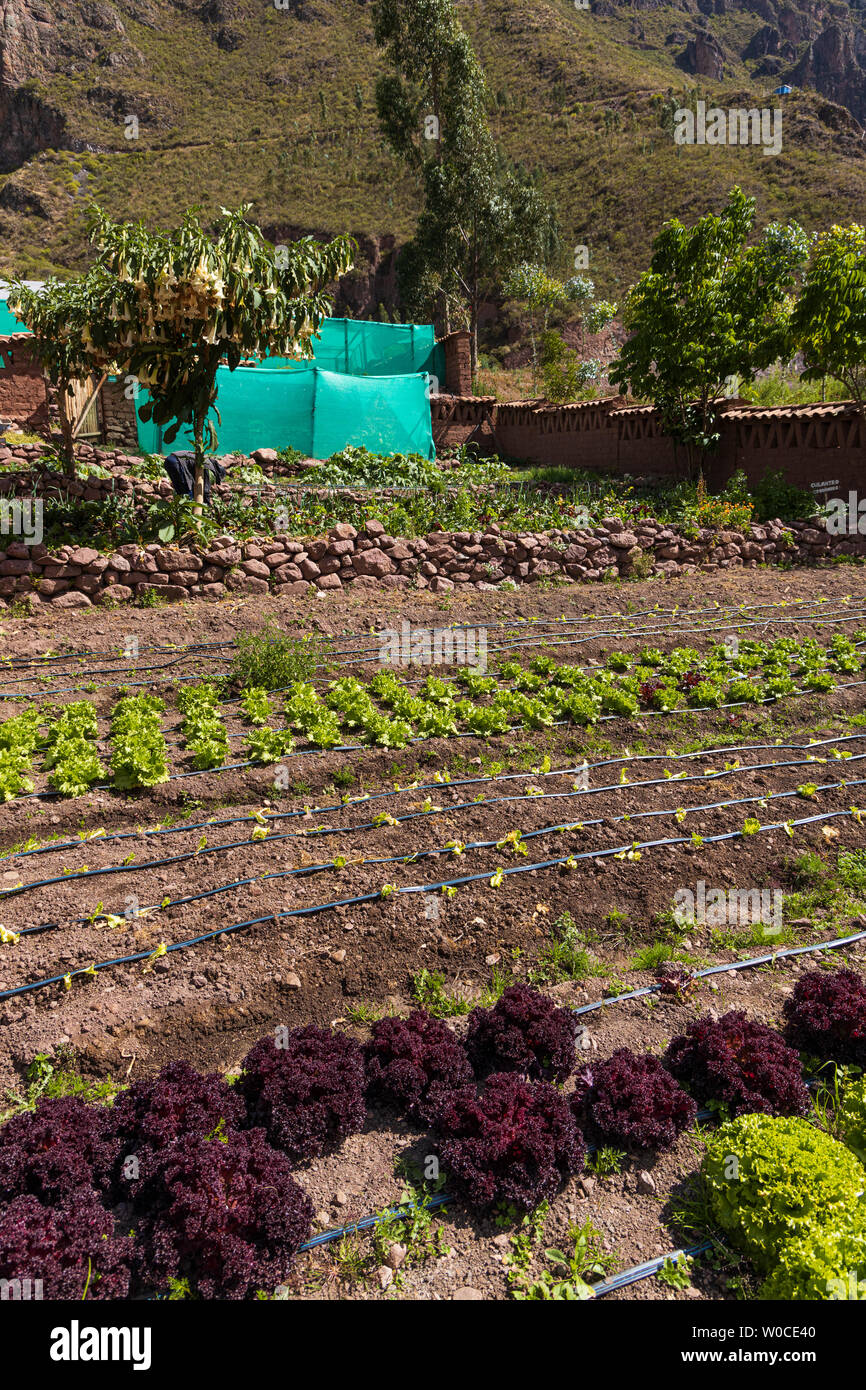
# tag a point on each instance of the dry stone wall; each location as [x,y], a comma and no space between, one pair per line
[346,559]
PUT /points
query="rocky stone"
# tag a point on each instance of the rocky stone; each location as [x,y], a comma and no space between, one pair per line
[72,599]
[374,563]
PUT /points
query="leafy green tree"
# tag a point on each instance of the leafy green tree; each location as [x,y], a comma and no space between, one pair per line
[185,301]
[479,217]
[61,316]
[540,294]
[709,311]
[828,324]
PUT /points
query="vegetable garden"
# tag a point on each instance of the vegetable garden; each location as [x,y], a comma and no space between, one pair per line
[406,947]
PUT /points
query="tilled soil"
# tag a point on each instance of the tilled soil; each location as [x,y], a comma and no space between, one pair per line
[210,1000]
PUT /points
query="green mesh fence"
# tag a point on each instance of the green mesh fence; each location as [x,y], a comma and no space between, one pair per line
[358,348]
[311,409]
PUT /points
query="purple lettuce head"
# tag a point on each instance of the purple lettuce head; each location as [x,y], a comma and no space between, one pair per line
[407,1056]
[70,1247]
[739,1063]
[52,1152]
[224,1214]
[525,1032]
[514,1143]
[308,1092]
[826,1016]
[153,1114]
[634,1102]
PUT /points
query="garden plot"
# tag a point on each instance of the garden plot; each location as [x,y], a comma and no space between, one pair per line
[150,914]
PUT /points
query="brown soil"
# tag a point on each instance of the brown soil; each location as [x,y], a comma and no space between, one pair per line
[209,1002]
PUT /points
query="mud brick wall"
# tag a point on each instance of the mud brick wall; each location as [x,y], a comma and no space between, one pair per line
[458,364]
[808,444]
[23,389]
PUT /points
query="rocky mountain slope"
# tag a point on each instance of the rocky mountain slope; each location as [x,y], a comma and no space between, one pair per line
[150,105]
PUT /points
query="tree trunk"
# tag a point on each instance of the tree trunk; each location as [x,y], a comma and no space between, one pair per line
[473,341]
[198,485]
[67,426]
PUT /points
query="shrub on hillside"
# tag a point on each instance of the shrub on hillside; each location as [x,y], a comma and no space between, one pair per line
[223,1214]
[71,1247]
[51,1152]
[525,1032]
[405,1057]
[307,1090]
[738,1063]
[771,1180]
[633,1101]
[826,1015]
[153,1114]
[514,1143]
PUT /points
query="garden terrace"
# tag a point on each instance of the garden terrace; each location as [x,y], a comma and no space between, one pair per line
[430,869]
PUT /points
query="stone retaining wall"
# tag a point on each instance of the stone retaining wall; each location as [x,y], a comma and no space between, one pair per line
[78,576]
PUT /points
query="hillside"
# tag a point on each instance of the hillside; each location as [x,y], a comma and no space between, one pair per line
[238,101]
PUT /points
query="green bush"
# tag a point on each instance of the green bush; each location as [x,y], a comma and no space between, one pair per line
[272,660]
[851,1118]
[829,1263]
[771,1180]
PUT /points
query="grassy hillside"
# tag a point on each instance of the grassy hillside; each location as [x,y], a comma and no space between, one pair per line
[237,101]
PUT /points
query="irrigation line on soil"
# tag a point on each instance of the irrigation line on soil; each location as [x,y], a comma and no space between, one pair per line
[370,826]
[62,845]
[468,734]
[834,618]
[316,908]
[516,622]
[637,1272]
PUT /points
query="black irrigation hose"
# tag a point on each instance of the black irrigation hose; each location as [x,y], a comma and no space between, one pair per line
[517,622]
[368,826]
[509,646]
[356,899]
[516,729]
[62,845]
[302,871]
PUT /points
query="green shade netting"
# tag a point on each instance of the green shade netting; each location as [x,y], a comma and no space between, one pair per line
[352,346]
[316,411]
[356,347]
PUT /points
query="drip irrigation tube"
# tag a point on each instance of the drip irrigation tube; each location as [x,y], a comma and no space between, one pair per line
[836,617]
[62,845]
[368,826]
[516,623]
[467,734]
[356,899]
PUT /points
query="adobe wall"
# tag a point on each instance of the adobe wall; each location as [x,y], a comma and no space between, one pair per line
[23,389]
[809,443]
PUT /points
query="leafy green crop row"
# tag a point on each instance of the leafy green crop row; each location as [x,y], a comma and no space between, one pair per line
[139,755]
[203,726]
[19,737]
[546,692]
[71,758]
